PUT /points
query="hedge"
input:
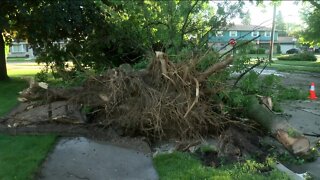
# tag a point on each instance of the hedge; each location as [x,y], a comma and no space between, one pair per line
[306,56]
[257,51]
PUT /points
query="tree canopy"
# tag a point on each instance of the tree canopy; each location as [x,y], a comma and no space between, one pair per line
[246,19]
[106,33]
[281,26]
[11,13]
[311,16]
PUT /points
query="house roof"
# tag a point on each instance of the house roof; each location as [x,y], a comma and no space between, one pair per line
[248,28]
[286,39]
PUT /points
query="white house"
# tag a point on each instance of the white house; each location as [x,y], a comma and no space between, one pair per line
[20,49]
[287,43]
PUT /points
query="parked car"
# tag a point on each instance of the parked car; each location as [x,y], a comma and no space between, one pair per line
[293,51]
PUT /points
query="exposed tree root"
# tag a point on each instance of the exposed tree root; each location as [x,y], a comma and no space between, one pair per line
[165,100]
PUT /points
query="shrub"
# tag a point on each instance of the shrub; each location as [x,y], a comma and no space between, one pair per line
[252,51]
[41,76]
[306,56]
[279,48]
[261,51]
[257,51]
[140,65]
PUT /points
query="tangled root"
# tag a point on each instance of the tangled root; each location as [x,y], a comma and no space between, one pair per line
[165,100]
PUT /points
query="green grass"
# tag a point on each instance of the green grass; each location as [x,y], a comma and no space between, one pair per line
[291,94]
[9,89]
[298,63]
[254,56]
[296,66]
[22,72]
[19,59]
[9,92]
[185,166]
[20,156]
[258,55]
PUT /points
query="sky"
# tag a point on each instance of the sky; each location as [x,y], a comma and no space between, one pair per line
[289,10]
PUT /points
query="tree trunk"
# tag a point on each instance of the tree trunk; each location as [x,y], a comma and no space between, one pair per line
[292,139]
[3,67]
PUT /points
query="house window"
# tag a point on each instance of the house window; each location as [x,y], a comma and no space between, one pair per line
[267,34]
[255,33]
[233,33]
[18,48]
[219,33]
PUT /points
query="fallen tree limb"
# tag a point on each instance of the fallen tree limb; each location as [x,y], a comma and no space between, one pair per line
[291,138]
[245,72]
[215,68]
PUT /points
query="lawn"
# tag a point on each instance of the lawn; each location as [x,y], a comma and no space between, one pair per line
[299,63]
[23,72]
[290,66]
[265,56]
[20,156]
[185,166]
[17,59]
[9,92]
[9,89]
[258,55]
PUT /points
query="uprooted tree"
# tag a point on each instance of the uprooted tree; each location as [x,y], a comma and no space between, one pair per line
[165,100]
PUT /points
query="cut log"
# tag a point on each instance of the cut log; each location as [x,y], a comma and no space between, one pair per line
[291,138]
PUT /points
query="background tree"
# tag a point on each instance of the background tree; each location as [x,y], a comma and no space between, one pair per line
[311,16]
[122,31]
[101,34]
[175,25]
[281,25]
[11,12]
[246,18]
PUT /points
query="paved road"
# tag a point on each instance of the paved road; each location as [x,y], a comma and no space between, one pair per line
[305,116]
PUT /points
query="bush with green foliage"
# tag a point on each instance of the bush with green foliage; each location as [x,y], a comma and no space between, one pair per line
[252,51]
[279,49]
[41,76]
[257,51]
[140,65]
[261,51]
[305,56]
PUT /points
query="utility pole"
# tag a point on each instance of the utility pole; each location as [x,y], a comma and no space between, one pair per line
[272,33]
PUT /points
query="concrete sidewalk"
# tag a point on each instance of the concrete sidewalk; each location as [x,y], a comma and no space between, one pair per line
[81,158]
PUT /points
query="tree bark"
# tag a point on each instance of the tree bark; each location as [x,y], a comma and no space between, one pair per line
[291,138]
[3,67]
[215,68]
